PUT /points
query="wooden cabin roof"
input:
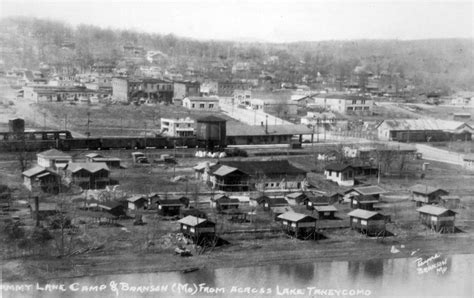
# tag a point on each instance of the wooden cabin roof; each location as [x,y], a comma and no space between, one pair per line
[328,208]
[436,211]
[363,214]
[368,190]
[425,189]
[193,221]
[295,217]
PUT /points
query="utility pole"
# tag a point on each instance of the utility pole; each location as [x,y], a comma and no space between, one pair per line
[88,133]
[44,120]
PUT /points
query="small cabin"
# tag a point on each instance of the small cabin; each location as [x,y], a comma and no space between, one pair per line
[325,212]
[450,202]
[114,208]
[268,203]
[424,194]
[437,218]
[170,207]
[111,162]
[296,198]
[364,202]
[223,202]
[312,202]
[298,225]
[342,174]
[370,223]
[137,202]
[370,190]
[196,227]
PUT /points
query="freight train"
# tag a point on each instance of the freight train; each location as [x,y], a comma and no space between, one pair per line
[63,140]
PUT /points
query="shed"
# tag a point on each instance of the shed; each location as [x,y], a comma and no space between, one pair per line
[298,225]
[170,207]
[223,202]
[114,208]
[314,201]
[137,202]
[367,222]
[451,202]
[364,202]
[296,197]
[369,190]
[424,194]
[342,174]
[437,218]
[196,227]
[325,212]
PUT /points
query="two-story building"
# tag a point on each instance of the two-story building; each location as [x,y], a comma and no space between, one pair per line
[90,175]
[345,104]
[201,103]
[180,127]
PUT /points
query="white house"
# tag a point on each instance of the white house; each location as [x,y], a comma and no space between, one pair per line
[53,158]
[344,104]
[180,127]
[201,103]
[342,174]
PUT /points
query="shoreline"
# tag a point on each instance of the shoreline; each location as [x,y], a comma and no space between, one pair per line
[20,270]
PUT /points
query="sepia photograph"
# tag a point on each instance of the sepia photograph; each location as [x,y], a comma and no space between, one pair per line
[237,148]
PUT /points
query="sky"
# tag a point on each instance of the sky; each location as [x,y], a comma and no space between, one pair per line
[263,20]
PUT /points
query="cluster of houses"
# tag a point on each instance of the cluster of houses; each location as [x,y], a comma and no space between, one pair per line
[56,169]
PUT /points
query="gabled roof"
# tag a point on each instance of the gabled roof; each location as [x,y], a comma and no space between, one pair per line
[202,165]
[424,124]
[433,210]
[265,168]
[328,208]
[281,209]
[368,190]
[192,221]
[338,167]
[364,214]
[294,217]
[295,195]
[365,199]
[93,155]
[91,167]
[53,153]
[110,205]
[34,171]
[135,198]
[224,170]
[424,189]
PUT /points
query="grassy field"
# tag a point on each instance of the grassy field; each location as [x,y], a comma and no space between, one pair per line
[114,119]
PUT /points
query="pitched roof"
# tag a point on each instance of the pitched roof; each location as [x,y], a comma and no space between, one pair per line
[433,210]
[53,153]
[424,189]
[295,195]
[328,208]
[364,214]
[293,216]
[135,198]
[425,124]
[92,155]
[191,220]
[34,171]
[369,190]
[169,202]
[366,199]
[281,209]
[194,98]
[224,170]
[338,167]
[268,168]
[203,165]
[259,130]
[91,167]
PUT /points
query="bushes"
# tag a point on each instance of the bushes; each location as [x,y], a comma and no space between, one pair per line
[14,230]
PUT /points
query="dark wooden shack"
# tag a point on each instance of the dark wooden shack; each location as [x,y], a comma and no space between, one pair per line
[225,203]
[196,228]
[115,208]
[298,225]
[170,207]
[364,202]
[424,194]
[268,203]
[313,201]
[325,212]
[367,222]
[437,218]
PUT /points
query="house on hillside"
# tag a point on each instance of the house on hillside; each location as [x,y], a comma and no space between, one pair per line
[298,225]
[116,209]
[53,159]
[325,212]
[423,130]
[268,203]
[437,218]
[367,222]
[88,175]
[468,161]
[137,202]
[342,174]
[313,201]
[223,202]
[424,194]
[41,179]
[370,190]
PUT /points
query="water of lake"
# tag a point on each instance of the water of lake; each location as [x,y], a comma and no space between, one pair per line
[440,276]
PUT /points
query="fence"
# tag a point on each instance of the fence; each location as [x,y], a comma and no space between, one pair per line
[431,153]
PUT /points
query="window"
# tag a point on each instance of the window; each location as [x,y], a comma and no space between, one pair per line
[366,108]
[201,106]
[350,108]
[193,106]
[211,106]
[354,101]
[362,101]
